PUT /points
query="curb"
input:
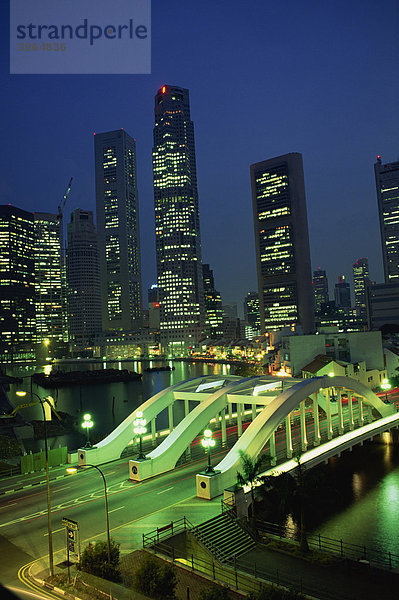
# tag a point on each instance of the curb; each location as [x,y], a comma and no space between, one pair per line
[49,586]
[29,485]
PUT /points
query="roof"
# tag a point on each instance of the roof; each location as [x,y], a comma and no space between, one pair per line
[320,361]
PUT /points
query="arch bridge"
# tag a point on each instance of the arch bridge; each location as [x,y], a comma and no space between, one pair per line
[285,414]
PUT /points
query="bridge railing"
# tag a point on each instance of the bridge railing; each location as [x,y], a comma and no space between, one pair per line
[333,546]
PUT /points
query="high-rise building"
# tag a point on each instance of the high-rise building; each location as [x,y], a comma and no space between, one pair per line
[282,243]
[387,182]
[177,227]
[213,304]
[83,278]
[153,308]
[48,279]
[17,284]
[361,278]
[118,230]
[251,313]
[320,289]
[342,293]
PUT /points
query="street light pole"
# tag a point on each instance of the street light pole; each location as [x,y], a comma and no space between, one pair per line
[50,531]
[139,429]
[73,470]
[208,443]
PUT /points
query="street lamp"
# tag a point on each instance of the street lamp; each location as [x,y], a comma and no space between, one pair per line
[50,532]
[139,429]
[87,424]
[331,374]
[385,385]
[208,443]
[71,470]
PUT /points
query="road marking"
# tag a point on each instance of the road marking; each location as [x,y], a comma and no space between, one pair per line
[114,509]
[163,491]
[7,505]
[56,530]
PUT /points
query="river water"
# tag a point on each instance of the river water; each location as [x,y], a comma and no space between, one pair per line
[361,506]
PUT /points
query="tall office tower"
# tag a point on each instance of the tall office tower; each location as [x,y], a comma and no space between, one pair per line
[342,292]
[48,279]
[320,289]
[387,182]
[17,284]
[282,243]
[213,304]
[83,278]
[361,278]
[118,230]
[251,311]
[154,314]
[177,228]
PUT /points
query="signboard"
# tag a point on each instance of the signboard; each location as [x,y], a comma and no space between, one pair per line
[72,539]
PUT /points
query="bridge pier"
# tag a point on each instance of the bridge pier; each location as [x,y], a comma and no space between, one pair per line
[302,417]
[170,417]
[350,407]
[328,413]
[340,413]
[317,436]
[239,420]
[223,423]
[361,411]
[153,432]
[272,445]
[288,435]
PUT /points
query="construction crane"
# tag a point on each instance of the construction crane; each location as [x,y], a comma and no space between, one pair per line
[62,205]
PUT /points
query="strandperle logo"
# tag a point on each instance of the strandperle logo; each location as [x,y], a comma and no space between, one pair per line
[84,31]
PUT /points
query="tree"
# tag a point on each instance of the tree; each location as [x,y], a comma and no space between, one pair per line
[215,592]
[94,560]
[155,579]
[251,471]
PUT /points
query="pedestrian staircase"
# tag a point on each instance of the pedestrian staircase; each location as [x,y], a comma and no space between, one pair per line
[223,537]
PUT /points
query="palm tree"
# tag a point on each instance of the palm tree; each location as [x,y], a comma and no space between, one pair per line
[251,472]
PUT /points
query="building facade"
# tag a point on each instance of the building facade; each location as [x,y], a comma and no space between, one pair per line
[251,314]
[17,284]
[387,183]
[83,279]
[361,279]
[49,302]
[383,305]
[342,293]
[320,289]
[118,230]
[282,243]
[177,227]
[212,304]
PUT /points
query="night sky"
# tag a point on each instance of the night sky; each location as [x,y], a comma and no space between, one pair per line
[265,78]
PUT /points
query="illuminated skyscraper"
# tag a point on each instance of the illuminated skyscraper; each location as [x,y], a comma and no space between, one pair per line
[387,182]
[178,244]
[282,243]
[320,289]
[48,278]
[251,312]
[17,284]
[83,278]
[118,230]
[213,305]
[342,293]
[360,280]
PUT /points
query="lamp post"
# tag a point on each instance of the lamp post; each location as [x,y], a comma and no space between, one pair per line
[208,443]
[331,374]
[87,424]
[139,429]
[74,470]
[50,532]
[385,385]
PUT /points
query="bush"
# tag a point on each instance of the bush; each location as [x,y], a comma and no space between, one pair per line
[155,580]
[272,593]
[94,560]
[214,593]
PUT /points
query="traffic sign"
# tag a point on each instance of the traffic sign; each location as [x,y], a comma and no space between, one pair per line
[70,524]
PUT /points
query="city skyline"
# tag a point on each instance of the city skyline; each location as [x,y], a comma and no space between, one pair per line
[331,122]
